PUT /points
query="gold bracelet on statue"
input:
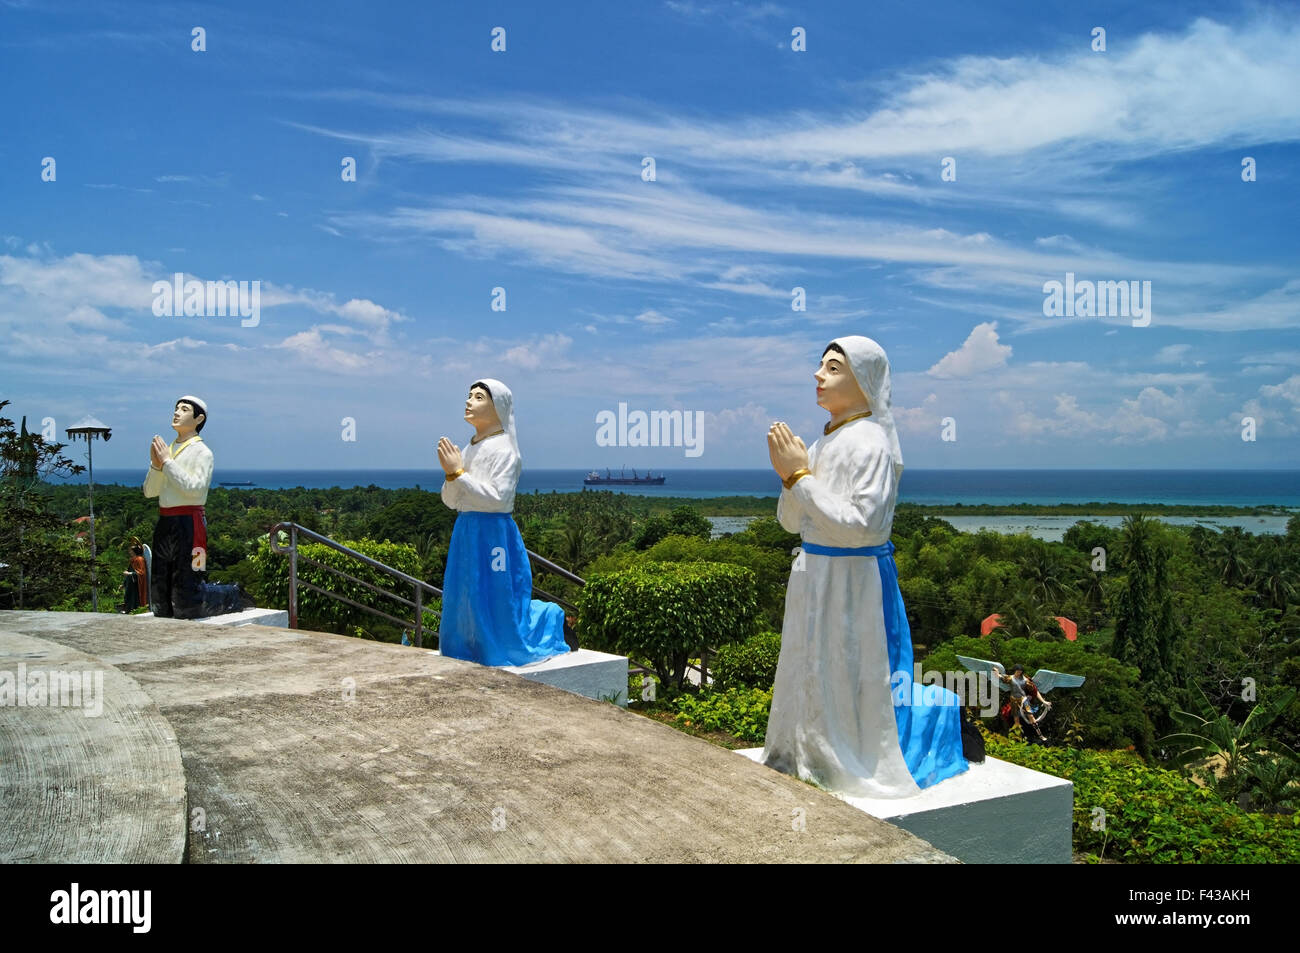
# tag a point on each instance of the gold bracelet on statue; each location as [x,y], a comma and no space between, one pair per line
[452,476]
[795,477]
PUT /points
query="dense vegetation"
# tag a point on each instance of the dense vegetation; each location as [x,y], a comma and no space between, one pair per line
[1187,636]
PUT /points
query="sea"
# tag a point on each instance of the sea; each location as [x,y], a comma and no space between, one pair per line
[1275,488]
[1049,487]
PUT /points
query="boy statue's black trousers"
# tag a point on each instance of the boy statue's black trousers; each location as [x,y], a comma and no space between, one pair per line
[180,547]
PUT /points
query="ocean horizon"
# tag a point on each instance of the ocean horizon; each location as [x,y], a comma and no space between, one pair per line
[929,487]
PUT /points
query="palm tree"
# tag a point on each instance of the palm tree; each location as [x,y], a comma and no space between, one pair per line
[1090,586]
[1202,541]
[575,542]
[1232,556]
[1044,574]
[1273,577]
[1025,616]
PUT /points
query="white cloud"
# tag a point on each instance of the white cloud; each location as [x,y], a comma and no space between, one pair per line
[653,319]
[1276,308]
[1208,84]
[548,351]
[925,418]
[747,423]
[979,353]
[1288,390]
[318,353]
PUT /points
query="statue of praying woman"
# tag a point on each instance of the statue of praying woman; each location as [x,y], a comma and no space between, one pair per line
[845,712]
[488,613]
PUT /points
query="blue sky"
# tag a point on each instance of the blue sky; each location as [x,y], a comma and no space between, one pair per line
[774,169]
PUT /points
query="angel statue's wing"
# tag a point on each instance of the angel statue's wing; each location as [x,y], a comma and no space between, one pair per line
[981,665]
[1046,680]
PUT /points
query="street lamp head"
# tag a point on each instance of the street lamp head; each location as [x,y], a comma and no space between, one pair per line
[89,428]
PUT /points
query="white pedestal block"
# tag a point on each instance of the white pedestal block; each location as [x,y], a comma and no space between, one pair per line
[994,813]
[597,675]
[273,617]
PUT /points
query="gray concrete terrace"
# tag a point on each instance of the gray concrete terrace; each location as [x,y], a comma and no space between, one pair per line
[284,745]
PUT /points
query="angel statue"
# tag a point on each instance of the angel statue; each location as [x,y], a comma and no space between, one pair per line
[1026,704]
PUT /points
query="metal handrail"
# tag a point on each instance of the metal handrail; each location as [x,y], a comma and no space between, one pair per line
[420,586]
[294,531]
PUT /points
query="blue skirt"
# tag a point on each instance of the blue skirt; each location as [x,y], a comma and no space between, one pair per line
[488,613]
[928,717]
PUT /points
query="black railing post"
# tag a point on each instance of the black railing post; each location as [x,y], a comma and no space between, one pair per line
[419,617]
[293,575]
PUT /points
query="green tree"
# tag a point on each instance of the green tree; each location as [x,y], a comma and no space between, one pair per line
[45,565]
[682,521]
[1145,631]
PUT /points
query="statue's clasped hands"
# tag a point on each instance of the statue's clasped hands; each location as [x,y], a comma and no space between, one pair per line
[158,452]
[449,457]
[787,451]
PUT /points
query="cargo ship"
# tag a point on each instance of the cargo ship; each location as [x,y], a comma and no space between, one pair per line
[595,479]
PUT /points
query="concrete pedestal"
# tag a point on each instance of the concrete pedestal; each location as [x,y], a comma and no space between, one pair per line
[994,813]
[597,675]
[278,618]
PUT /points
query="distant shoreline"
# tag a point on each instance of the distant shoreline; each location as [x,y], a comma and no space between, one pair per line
[765,505]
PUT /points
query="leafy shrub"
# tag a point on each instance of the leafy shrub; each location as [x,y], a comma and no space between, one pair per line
[771,568]
[748,664]
[1153,815]
[738,711]
[667,613]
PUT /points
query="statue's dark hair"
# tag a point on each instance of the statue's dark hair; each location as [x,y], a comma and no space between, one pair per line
[198,428]
[484,386]
[837,349]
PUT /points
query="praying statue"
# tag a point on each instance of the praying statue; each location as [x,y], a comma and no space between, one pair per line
[179,476]
[488,613]
[845,714]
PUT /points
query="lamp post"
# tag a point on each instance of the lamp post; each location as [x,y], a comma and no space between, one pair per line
[90,428]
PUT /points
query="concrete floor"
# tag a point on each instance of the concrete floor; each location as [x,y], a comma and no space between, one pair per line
[296,746]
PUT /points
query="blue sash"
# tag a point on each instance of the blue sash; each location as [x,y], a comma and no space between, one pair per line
[929,727]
